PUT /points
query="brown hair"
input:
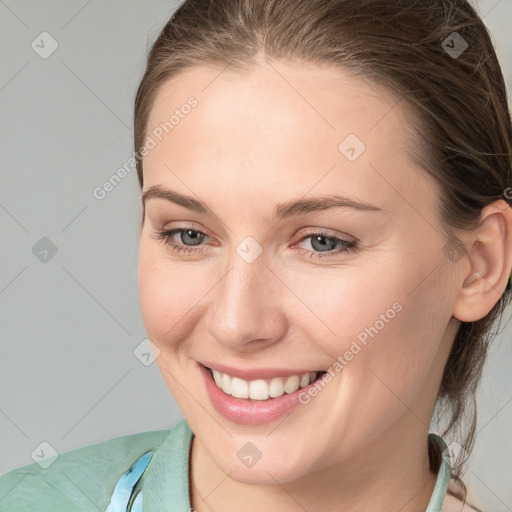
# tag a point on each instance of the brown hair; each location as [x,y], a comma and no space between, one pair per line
[458,106]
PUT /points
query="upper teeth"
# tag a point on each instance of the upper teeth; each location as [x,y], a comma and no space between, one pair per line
[261,389]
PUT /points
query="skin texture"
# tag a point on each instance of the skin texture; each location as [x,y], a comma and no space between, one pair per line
[272,136]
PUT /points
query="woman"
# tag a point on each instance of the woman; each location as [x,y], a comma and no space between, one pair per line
[326,243]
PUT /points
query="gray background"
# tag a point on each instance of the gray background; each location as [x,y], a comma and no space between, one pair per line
[70,324]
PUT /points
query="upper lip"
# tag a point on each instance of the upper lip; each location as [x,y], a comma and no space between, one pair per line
[255,373]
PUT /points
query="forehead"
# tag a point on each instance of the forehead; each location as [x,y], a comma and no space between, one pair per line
[277,121]
[278,92]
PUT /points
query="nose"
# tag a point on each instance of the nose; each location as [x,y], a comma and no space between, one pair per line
[245,311]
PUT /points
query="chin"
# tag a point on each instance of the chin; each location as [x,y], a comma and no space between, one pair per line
[264,472]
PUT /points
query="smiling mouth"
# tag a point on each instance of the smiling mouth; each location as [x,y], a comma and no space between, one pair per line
[263,389]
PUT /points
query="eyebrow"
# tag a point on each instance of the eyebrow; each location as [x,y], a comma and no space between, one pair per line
[281,211]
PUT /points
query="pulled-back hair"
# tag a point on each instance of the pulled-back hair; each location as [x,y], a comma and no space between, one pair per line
[458,112]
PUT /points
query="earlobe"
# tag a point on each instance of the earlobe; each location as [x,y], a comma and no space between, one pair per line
[489,252]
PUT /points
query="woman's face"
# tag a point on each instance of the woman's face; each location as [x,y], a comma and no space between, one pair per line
[261,285]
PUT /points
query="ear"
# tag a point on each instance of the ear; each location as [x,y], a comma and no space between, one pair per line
[489,251]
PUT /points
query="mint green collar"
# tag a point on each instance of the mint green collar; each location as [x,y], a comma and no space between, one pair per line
[165,482]
[443,478]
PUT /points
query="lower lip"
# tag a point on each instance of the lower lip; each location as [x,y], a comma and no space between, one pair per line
[245,412]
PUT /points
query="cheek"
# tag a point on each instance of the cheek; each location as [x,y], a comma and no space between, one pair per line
[386,330]
[341,305]
[387,334]
[395,369]
[169,295]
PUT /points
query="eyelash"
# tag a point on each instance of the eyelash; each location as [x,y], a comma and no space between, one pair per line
[165,236]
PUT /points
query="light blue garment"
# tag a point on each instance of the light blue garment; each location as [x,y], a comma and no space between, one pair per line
[124,491]
[149,468]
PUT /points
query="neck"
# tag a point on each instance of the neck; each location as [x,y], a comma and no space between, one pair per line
[391,473]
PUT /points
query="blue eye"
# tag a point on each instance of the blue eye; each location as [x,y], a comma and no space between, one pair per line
[192,234]
[344,245]
[192,237]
